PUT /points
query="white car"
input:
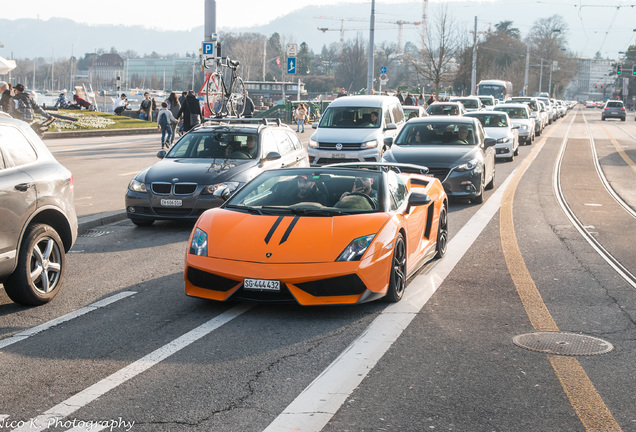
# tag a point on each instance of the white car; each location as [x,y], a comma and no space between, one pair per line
[520,116]
[411,111]
[498,125]
[471,103]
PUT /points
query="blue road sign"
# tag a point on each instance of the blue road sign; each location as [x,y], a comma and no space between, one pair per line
[291,65]
[207,48]
[383,69]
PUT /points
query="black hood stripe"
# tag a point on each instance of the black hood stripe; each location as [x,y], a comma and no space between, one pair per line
[289,230]
[273,229]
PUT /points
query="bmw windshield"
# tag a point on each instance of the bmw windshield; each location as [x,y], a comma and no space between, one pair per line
[216,145]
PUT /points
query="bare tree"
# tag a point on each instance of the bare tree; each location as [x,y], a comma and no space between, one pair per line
[351,72]
[439,53]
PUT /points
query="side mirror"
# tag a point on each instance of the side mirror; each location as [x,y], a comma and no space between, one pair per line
[272,156]
[161,154]
[417,199]
[314,125]
[533,116]
[489,142]
[391,126]
[388,141]
[222,193]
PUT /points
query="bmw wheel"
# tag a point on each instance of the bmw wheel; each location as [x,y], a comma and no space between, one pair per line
[397,281]
[40,271]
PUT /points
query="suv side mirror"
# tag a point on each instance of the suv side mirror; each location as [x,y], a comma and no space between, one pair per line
[388,141]
[161,154]
[489,142]
[314,125]
[391,126]
[272,156]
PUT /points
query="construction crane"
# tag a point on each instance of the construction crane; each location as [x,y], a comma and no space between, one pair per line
[399,24]
[341,30]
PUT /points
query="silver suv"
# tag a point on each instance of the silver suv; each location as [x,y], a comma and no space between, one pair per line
[38,224]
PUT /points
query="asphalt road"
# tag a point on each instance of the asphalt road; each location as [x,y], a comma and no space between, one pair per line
[129,350]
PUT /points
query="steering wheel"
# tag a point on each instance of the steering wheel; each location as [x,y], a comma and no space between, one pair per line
[365,196]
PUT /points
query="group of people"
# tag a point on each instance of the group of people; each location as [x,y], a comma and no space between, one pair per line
[411,100]
[77,103]
[18,103]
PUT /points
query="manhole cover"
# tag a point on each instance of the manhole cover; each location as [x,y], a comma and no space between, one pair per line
[561,343]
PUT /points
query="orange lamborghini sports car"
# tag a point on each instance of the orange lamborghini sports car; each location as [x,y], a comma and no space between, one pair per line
[339,234]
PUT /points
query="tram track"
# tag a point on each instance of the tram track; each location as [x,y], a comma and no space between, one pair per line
[583,230]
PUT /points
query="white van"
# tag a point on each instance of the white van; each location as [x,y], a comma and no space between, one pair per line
[353,128]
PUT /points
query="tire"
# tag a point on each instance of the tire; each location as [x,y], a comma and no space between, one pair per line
[479,198]
[623,119]
[40,270]
[142,222]
[491,183]
[237,97]
[442,233]
[215,96]
[397,279]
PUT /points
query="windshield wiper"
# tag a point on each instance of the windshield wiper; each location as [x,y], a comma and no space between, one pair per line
[316,212]
[244,208]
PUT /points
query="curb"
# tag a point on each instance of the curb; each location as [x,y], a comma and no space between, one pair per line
[100,133]
[85,223]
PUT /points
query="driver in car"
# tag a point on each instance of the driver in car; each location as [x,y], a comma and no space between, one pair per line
[362,185]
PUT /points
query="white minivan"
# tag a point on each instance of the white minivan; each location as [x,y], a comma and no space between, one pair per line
[353,128]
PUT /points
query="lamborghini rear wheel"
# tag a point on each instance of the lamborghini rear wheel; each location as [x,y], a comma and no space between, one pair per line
[397,281]
[442,233]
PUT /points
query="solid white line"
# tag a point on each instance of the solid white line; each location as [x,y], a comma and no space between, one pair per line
[47,325]
[318,403]
[86,396]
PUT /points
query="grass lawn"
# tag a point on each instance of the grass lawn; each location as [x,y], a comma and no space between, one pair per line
[91,120]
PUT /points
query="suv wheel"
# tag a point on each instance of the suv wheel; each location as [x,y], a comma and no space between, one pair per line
[40,271]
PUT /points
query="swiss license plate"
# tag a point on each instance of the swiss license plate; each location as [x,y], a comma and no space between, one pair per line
[171,203]
[338,155]
[261,285]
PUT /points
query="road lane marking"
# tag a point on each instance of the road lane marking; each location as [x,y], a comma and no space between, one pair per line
[86,396]
[579,389]
[319,402]
[619,148]
[75,314]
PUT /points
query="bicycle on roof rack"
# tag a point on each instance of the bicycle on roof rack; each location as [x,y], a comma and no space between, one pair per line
[223,99]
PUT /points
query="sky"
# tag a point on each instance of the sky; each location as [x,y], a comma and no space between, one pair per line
[598,25]
[162,14]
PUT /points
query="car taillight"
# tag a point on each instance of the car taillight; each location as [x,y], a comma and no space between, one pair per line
[606,108]
[623,109]
[70,183]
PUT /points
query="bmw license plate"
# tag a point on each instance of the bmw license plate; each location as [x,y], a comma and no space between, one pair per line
[338,155]
[171,202]
[261,285]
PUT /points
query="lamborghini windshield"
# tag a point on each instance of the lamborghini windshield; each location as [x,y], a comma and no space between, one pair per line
[310,191]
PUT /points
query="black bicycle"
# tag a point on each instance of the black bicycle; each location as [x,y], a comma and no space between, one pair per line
[225,100]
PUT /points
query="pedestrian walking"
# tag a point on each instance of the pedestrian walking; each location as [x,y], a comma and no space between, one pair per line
[173,105]
[190,111]
[164,124]
[400,97]
[248,111]
[301,114]
[7,96]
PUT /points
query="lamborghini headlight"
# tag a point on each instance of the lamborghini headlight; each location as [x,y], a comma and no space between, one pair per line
[355,249]
[199,245]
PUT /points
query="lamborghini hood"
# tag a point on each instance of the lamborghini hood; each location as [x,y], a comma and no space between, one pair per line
[284,239]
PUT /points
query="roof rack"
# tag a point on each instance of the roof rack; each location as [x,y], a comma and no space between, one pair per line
[243,120]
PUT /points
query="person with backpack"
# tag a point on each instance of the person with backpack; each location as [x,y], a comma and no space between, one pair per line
[164,124]
[190,111]
[24,108]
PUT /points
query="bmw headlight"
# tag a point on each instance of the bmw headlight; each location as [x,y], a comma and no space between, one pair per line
[137,186]
[468,166]
[199,245]
[369,144]
[231,187]
[313,144]
[355,249]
